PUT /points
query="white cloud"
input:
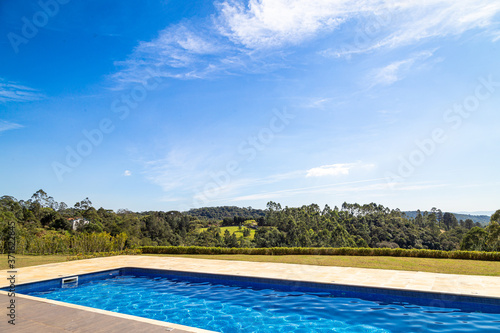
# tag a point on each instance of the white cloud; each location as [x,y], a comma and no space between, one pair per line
[127,173]
[180,51]
[199,178]
[235,185]
[325,188]
[317,103]
[496,36]
[338,169]
[6,125]
[379,188]
[391,73]
[271,23]
[329,170]
[398,23]
[397,70]
[388,112]
[373,23]
[184,169]
[253,36]
[13,92]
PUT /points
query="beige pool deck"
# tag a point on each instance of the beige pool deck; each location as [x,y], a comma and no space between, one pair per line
[41,315]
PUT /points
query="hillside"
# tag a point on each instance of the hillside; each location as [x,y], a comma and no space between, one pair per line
[42,224]
[482,219]
[221,212]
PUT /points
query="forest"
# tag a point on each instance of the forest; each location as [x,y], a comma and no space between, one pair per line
[42,225]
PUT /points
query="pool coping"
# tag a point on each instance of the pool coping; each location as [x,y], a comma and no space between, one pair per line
[167,327]
[401,282]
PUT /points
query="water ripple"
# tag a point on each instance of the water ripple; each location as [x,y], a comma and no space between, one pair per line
[239,309]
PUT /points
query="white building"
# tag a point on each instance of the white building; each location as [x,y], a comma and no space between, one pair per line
[76,223]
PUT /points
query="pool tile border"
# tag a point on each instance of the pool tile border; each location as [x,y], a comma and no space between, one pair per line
[167,326]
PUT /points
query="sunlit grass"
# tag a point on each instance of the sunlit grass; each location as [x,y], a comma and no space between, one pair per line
[236,230]
[448,266]
[25,260]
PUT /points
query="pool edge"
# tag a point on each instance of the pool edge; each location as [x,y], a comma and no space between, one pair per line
[112,314]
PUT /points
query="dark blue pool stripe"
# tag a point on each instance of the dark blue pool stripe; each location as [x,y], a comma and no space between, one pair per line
[56,283]
[465,303]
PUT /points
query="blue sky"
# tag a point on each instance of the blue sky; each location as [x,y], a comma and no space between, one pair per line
[170,105]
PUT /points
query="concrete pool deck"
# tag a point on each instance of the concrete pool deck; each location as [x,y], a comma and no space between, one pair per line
[35,314]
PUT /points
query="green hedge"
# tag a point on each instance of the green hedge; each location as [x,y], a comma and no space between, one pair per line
[347,251]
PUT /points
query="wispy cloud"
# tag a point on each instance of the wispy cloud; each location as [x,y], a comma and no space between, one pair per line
[378,186]
[196,178]
[496,36]
[230,41]
[180,51]
[6,125]
[316,189]
[179,169]
[316,103]
[13,92]
[274,23]
[394,24]
[190,179]
[127,173]
[255,36]
[397,70]
[235,185]
[271,23]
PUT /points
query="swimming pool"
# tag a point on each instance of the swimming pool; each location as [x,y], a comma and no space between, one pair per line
[238,304]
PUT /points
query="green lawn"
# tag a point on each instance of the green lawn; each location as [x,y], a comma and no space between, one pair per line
[24,261]
[450,266]
[236,230]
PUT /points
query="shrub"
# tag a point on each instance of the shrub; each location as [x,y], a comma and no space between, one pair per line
[397,252]
[54,242]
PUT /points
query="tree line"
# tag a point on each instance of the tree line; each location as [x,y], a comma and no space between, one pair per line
[41,219]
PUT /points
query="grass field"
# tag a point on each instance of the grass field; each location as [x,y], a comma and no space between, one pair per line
[24,261]
[236,230]
[450,266]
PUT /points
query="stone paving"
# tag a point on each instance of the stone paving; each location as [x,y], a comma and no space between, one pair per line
[466,285]
[37,315]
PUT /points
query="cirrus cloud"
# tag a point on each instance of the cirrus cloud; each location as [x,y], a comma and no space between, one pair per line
[14,92]
[255,36]
[7,125]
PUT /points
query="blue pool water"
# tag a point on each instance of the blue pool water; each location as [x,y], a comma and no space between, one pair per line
[245,306]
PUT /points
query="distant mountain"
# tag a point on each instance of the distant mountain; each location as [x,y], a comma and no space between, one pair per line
[483,219]
[489,213]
